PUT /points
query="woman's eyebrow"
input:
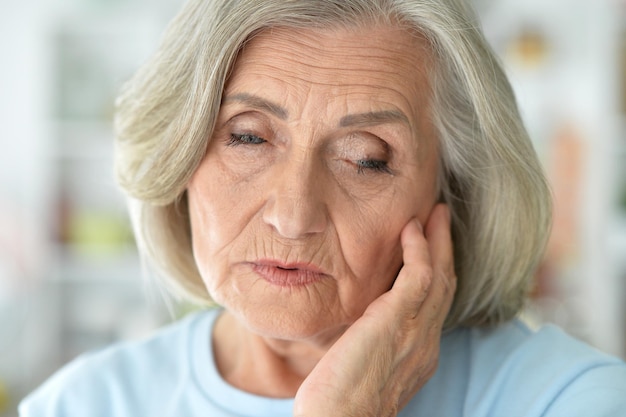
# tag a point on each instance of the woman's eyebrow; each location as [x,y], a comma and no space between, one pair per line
[259,103]
[374,118]
[359,119]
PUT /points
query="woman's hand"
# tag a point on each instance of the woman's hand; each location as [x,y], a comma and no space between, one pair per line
[389,353]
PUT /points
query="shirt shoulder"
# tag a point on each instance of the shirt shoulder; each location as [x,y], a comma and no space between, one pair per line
[513,371]
[516,371]
[116,381]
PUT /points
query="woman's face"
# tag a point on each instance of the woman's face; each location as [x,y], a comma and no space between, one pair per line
[322,152]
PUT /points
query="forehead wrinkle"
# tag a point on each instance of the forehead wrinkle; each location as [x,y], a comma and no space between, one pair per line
[380,66]
[276,49]
[304,46]
[378,79]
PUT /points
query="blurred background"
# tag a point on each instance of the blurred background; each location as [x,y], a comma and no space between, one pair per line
[70,279]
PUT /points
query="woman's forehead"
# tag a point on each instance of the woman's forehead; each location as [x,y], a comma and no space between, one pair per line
[341,48]
[382,67]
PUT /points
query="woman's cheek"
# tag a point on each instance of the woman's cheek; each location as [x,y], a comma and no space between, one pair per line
[375,252]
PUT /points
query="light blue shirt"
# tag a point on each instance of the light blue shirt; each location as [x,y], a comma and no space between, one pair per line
[509,371]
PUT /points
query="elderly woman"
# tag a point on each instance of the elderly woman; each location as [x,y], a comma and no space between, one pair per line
[350,181]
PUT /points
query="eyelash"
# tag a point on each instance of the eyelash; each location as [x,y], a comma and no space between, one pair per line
[237,139]
[373,165]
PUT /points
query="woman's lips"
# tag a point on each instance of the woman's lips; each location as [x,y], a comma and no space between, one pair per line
[288,275]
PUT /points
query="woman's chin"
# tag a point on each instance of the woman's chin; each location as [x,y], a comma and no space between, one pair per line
[290,326]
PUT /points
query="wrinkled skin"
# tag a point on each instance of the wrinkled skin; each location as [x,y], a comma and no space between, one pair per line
[308,208]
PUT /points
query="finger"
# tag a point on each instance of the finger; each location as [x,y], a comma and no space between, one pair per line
[414,279]
[438,236]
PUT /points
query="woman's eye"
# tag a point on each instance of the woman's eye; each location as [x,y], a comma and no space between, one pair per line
[244,139]
[373,165]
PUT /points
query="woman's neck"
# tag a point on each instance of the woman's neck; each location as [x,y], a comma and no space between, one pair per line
[262,366]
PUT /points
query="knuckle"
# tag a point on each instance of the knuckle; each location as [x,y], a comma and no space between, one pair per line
[449,280]
[425,279]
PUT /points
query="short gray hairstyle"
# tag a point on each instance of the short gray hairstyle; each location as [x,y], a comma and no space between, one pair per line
[490,175]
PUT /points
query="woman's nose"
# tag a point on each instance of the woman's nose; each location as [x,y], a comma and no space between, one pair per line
[295,205]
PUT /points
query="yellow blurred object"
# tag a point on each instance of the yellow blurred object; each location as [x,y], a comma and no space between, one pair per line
[97,234]
[529,49]
[4,397]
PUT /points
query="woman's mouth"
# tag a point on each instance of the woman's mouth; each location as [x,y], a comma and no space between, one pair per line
[288,275]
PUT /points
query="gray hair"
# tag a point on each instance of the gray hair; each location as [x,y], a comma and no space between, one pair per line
[490,176]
